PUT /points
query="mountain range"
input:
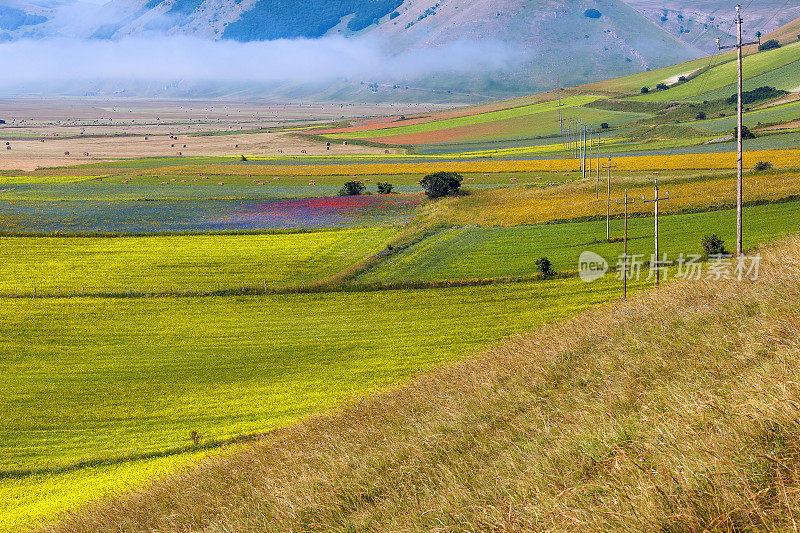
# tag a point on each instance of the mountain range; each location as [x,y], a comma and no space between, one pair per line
[544,42]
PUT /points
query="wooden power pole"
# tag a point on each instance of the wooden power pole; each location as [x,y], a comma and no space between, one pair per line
[739,115]
[608,200]
[626,203]
[655,201]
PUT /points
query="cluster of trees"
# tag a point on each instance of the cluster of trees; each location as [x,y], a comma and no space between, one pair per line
[762,93]
[356,188]
[769,45]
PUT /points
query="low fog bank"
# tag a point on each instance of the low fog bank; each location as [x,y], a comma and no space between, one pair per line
[75,67]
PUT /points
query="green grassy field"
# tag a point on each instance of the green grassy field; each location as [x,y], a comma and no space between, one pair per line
[128,187]
[770,115]
[180,263]
[724,75]
[786,78]
[110,377]
[27,501]
[481,252]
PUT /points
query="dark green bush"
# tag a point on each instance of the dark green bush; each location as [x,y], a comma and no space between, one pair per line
[545,267]
[746,133]
[352,188]
[604,126]
[769,45]
[662,86]
[761,166]
[701,116]
[645,90]
[441,184]
[384,187]
[713,245]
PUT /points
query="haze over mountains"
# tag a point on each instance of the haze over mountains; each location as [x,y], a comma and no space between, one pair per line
[349,49]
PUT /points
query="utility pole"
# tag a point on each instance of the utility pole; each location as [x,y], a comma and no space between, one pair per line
[626,203]
[583,150]
[597,181]
[655,201]
[608,200]
[739,147]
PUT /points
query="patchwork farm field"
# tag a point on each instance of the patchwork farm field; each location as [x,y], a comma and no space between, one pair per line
[481,252]
[179,216]
[180,264]
[221,366]
[127,388]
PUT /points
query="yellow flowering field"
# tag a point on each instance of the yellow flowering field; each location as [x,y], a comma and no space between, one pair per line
[512,206]
[727,160]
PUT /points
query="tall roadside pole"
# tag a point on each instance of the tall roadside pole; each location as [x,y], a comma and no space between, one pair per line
[608,200]
[655,201]
[739,45]
[626,203]
[583,150]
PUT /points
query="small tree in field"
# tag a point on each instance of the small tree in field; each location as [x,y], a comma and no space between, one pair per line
[384,187]
[441,184]
[761,166]
[645,90]
[662,86]
[352,188]
[713,246]
[545,267]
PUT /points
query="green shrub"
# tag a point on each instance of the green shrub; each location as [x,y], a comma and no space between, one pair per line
[746,133]
[713,245]
[545,267]
[604,126]
[645,90]
[441,184]
[762,166]
[662,86]
[384,187]
[701,116]
[769,45]
[352,188]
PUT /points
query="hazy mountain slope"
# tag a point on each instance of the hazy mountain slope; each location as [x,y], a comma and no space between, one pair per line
[554,38]
[527,44]
[700,22]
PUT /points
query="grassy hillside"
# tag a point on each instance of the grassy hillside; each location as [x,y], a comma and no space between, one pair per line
[698,85]
[695,430]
